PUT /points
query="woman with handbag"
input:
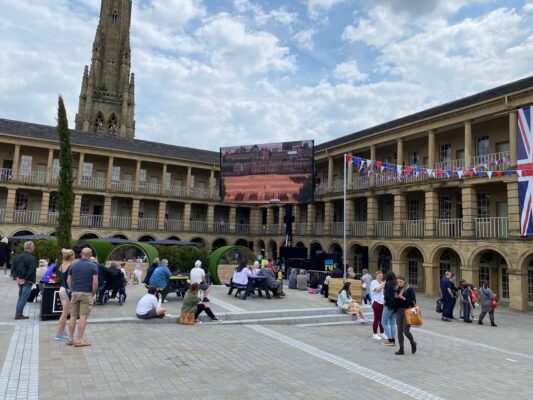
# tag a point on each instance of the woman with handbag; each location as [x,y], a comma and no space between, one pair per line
[487,300]
[405,299]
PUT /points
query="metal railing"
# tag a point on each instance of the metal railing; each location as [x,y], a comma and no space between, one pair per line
[174,225]
[53,218]
[149,224]
[317,229]
[492,227]
[122,186]
[383,228]
[220,227]
[26,217]
[359,228]
[414,228]
[450,164]
[301,229]
[92,183]
[91,221]
[198,226]
[33,177]
[359,183]
[149,188]
[243,229]
[451,227]
[494,162]
[2,214]
[337,228]
[6,174]
[272,229]
[117,222]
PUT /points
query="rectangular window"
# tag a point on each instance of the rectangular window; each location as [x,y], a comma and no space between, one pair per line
[530,283]
[483,205]
[192,181]
[413,209]
[87,170]
[482,145]
[484,274]
[84,209]
[168,179]
[412,271]
[141,210]
[21,201]
[505,282]
[414,157]
[142,177]
[55,168]
[25,165]
[458,205]
[115,174]
[445,207]
[363,216]
[445,153]
[52,205]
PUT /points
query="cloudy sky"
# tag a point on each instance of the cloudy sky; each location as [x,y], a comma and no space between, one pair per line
[226,72]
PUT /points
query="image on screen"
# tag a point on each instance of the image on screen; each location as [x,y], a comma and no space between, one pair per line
[267,173]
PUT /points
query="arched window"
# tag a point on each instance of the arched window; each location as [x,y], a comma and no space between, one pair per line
[114,17]
[99,123]
[112,126]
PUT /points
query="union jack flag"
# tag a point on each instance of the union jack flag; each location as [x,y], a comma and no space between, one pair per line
[525,164]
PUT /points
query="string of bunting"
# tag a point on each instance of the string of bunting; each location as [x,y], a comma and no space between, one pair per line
[370,167]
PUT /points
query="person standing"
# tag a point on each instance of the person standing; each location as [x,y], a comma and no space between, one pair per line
[64,293]
[367,280]
[388,319]
[405,298]
[447,296]
[198,276]
[485,300]
[466,297]
[25,267]
[376,294]
[5,255]
[83,282]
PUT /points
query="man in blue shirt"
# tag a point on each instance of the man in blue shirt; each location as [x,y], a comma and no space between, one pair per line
[447,296]
[159,278]
[83,283]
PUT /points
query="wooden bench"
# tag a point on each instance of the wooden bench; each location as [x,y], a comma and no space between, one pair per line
[335,286]
[238,287]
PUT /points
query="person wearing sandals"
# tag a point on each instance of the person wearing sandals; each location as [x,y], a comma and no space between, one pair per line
[83,283]
[405,298]
[64,293]
[348,305]
[192,305]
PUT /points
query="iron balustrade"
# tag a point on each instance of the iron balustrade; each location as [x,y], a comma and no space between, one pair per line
[148,224]
[337,228]
[359,228]
[414,228]
[493,162]
[26,217]
[383,228]
[91,221]
[174,225]
[198,226]
[491,227]
[53,218]
[117,222]
[450,227]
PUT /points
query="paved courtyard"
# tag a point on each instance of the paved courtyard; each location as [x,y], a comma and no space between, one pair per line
[129,359]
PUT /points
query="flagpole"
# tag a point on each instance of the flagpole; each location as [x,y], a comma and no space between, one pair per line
[344,220]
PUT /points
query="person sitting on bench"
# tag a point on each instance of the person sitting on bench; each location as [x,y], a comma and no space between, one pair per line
[149,306]
[272,283]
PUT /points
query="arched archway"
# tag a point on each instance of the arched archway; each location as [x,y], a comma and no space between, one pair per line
[198,240]
[300,244]
[336,250]
[272,249]
[112,125]
[491,265]
[88,235]
[316,247]
[526,266]
[99,123]
[260,247]
[146,238]
[53,233]
[120,236]
[241,242]
[412,267]
[449,260]
[358,257]
[24,232]
[383,257]
[217,243]
[173,238]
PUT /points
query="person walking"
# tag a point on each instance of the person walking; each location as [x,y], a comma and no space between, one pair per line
[376,294]
[64,293]
[486,296]
[25,267]
[466,297]
[83,282]
[365,285]
[405,298]
[447,296]
[388,319]
[5,255]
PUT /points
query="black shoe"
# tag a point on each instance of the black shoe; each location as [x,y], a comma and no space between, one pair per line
[205,300]
[413,347]
[400,352]
[480,323]
[493,324]
[468,321]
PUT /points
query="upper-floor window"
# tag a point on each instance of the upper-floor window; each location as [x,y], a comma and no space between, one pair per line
[142,176]
[52,205]
[445,152]
[87,170]
[112,126]
[85,205]
[445,207]
[21,201]
[414,157]
[25,165]
[413,209]
[363,211]
[482,145]
[483,205]
[55,168]
[99,123]
[115,174]
[114,17]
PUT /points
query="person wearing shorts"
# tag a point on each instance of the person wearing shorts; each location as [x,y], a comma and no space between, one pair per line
[83,283]
[149,306]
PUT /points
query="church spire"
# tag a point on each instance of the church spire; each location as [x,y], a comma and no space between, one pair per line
[107,95]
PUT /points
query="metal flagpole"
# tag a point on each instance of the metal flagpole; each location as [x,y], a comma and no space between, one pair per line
[344,220]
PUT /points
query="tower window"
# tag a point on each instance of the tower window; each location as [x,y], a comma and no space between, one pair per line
[112,126]
[114,17]
[99,123]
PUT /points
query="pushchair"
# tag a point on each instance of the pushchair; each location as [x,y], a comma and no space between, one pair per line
[115,287]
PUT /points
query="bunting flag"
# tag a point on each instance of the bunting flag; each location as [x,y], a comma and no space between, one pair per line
[348,158]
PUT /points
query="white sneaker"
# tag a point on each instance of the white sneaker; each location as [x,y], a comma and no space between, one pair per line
[165,301]
[198,321]
[375,336]
[383,336]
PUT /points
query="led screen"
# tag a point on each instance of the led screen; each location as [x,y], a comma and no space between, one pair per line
[267,173]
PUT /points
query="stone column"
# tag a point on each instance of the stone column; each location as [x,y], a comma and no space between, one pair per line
[135,213]
[431,272]
[432,212]
[106,222]
[513,209]
[330,173]
[399,152]
[281,220]
[49,166]
[164,186]
[109,177]
[349,215]
[255,220]
[81,161]
[311,215]
[76,210]
[16,161]
[469,203]
[212,183]
[518,293]
[270,216]
[400,214]
[470,274]
[45,203]
[232,218]
[399,268]
[328,217]
[371,214]
[468,144]
[513,132]
[137,175]
[210,218]
[10,205]
[188,179]
[187,217]
[431,149]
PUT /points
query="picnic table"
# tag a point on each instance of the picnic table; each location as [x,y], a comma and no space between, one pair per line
[179,284]
[258,283]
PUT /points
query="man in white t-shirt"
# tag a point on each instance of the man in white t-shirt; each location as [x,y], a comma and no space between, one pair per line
[198,276]
[149,306]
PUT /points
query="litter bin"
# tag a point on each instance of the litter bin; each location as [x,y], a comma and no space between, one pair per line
[50,302]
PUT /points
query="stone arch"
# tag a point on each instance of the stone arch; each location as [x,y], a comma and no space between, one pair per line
[315,247]
[146,238]
[219,242]
[88,235]
[112,125]
[380,257]
[53,233]
[272,249]
[22,232]
[199,240]
[491,264]
[411,259]
[99,122]
[437,251]
[241,242]
[357,256]
[120,236]
[474,257]
[524,260]
[261,248]
[336,248]
[172,238]
[448,258]
[402,253]
[299,244]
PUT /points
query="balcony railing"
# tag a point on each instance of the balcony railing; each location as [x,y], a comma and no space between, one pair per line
[92,183]
[122,186]
[220,227]
[52,218]
[359,228]
[494,162]
[451,227]
[496,227]
[359,183]
[27,217]
[450,164]
[6,174]
[2,214]
[337,229]
[91,221]
[272,229]
[243,229]
[117,222]
[149,188]
[33,177]
[174,225]
[198,226]
[414,228]
[383,228]
[300,229]
[317,229]
[148,224]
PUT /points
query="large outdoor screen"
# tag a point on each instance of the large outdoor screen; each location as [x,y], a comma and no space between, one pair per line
[267,173]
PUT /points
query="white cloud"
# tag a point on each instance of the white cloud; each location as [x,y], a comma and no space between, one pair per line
[304,38]
[315,7]
[261,17]
[349,71]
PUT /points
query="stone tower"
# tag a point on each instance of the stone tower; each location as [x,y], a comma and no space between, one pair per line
[107,97]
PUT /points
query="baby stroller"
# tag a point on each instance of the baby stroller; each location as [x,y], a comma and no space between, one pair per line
[115,284]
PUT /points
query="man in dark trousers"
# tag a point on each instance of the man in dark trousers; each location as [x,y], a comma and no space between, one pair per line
[5,254]
[24,268]
[151,270]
